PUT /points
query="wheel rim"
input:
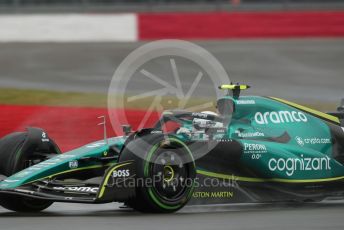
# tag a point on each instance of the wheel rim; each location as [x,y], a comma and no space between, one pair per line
[169,175]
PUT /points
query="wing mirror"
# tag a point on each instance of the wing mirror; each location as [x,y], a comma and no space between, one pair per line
[126,129]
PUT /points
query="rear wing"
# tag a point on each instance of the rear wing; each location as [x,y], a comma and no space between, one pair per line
[341,107]
[339,113]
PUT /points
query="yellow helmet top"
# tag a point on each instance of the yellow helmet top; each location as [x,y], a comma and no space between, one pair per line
[234,87]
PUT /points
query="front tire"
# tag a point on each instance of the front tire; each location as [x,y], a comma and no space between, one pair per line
[166,171]
[23,204]
[15,151]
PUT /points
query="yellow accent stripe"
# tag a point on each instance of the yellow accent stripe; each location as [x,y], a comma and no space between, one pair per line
[102,190]
[309,110]
[251,179]
[72,170]
[242,87]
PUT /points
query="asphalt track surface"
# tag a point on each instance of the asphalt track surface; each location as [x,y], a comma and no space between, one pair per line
[296,69]
[309,69]
[324,215]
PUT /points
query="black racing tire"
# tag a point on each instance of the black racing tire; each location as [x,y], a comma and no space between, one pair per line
[171,163]
[23,204]
[10,146]
[13,160]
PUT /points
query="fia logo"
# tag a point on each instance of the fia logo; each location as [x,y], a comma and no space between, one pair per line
[73,164]
[299,141]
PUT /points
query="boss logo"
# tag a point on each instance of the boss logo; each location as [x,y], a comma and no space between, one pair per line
[121,173]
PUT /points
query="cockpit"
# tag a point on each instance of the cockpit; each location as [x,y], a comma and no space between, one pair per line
[198,125]
[202,125]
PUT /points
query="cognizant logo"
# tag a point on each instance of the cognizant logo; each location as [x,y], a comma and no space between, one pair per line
[290,165]
[280,117]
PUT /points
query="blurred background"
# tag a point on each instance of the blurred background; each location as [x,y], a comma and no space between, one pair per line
[57,57]
[161,5]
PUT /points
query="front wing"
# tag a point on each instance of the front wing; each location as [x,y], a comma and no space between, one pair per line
[116,185]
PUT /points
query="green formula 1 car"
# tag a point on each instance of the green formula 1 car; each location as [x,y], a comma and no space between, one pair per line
[255,149]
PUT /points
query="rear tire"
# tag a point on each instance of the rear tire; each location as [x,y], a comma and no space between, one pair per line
[13,159]
[169,165]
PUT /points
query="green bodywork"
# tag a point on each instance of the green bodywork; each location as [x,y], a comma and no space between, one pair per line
[306,156]
[62,163]
[280,143]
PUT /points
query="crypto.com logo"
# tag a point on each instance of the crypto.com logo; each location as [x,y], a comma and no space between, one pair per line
[164,74]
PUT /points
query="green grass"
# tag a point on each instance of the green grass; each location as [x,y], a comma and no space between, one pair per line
[54,98]
[44,97]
